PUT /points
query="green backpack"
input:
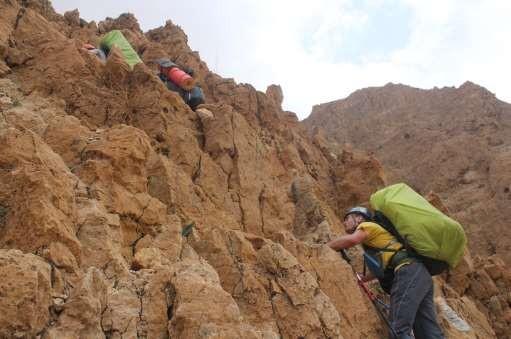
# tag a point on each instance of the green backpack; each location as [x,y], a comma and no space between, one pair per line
[116,38]
[437,240]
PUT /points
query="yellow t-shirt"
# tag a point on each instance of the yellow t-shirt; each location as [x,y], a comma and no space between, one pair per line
[378,237]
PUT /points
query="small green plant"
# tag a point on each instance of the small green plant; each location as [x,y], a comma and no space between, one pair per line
[187,230]
[16,103]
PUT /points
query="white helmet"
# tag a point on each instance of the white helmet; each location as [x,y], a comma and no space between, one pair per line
[359,210]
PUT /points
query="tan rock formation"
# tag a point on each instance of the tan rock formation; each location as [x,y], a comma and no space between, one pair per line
[124,214]
[26,287]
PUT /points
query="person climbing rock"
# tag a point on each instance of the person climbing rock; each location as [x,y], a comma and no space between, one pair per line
[181,81]
[406,278]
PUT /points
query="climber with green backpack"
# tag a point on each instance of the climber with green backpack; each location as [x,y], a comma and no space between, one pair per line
[405,242]
[116,39]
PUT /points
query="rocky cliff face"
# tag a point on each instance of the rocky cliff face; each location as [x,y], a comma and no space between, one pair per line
[124,214]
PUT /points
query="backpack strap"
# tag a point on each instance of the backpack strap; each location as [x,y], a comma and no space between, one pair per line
[384,249]
[434,266]
[399,254]
[380,219]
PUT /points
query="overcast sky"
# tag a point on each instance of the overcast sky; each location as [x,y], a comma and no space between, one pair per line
[323,50]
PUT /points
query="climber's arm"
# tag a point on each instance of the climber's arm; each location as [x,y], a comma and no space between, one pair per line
[347,241]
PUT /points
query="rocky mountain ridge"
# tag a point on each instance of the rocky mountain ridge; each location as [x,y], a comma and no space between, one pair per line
[124,214]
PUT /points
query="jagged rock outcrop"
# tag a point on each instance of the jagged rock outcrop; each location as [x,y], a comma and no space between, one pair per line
[123,213]
[26,294]
[102,169]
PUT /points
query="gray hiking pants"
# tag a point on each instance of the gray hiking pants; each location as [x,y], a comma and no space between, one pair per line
[411,304]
